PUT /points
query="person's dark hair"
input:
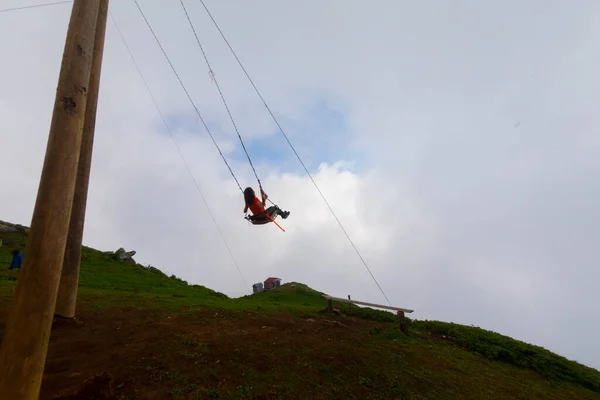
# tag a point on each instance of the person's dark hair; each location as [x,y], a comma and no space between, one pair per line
[249,195]
[15,252]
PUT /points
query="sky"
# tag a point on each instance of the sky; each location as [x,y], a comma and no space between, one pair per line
[456,142]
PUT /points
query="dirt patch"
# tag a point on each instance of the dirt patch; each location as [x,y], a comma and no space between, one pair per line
[100,386]
[214,354]
[443,337]
[149,355]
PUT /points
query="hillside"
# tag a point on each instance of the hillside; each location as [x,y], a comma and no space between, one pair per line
[143,335]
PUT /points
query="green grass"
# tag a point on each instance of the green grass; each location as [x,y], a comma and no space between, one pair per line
[507,350]
[434,360]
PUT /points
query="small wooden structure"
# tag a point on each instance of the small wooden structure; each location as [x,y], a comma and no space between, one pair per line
[257,287]
[399,311]
[272,283]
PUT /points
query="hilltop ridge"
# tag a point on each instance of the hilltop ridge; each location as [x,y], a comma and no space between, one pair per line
[141,334]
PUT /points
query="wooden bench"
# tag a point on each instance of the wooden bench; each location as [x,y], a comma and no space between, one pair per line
[399,311]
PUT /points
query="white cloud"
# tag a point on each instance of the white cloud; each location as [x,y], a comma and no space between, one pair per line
[475,201]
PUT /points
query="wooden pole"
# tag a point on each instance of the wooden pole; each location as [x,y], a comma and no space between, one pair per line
[25,342]
[66,300]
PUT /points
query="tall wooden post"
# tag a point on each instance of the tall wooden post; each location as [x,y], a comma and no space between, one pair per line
[25,342]
[67,291]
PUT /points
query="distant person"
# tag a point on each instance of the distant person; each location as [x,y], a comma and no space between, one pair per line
[260,215]
[17,260]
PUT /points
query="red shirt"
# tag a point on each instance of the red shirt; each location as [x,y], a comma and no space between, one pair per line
[256,207]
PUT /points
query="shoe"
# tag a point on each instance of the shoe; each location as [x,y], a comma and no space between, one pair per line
[285,215]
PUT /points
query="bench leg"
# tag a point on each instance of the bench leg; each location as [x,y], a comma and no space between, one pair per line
[402,321]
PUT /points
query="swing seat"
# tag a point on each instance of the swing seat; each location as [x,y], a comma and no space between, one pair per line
[264,218]
[258,222]
[261,219]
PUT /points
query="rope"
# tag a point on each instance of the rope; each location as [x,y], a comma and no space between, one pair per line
[213,77]
[294,150]
[188,95]
[178,149]
[34,6]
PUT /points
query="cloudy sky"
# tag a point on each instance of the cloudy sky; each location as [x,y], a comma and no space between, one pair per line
[454,140]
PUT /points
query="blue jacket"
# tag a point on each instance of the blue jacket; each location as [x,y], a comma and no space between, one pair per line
[16,261]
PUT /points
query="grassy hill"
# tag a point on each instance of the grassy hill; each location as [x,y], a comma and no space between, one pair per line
[143,335]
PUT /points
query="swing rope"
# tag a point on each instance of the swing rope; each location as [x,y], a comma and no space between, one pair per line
[189,96]
[194,105]
[216,81]
[169,130]
[293,149]
[214,78]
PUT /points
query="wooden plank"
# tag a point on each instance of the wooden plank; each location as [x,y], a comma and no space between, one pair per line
[367,304]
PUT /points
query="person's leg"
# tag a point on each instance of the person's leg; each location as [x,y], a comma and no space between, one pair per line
[279,211]
[273,211]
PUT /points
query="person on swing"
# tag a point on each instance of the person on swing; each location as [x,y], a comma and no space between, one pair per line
[259,213]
